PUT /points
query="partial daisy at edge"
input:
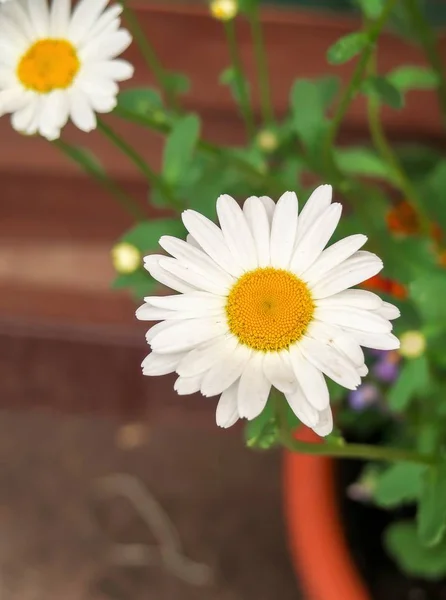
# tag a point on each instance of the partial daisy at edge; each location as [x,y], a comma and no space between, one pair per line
[263,303]
[58,64]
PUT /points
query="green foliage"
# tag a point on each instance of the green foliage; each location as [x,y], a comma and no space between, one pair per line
[407,258]
[177,83]
[412,77]
[398,484]
[361,161]
[431,515]
[228,77]
[428,292]
[140,283]
[383,89]
[179,148]
[403,544]
[262,431]
[307,110]
[145,235]
[347,47]
[140,101]
[371,9]
[412,381]
[433,190]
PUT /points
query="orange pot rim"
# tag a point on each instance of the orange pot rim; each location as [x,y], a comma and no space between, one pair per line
[319,551]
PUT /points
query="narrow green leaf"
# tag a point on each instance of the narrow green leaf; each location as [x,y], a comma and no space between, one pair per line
[179,147]
[145,235]
[140,283]
[140,101]
[371,9]
[398,484]
[261,432]
[307,111]
[383,89]
[347,47]
[428,291]
[228,77]
[413,378]
[403,544]
[412,77]
[362,161]
[431,515]
[178,83]
[87,159]
[328,87]
[432,190]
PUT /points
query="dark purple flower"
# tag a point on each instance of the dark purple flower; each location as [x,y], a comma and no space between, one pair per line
[386,369]
[366,395]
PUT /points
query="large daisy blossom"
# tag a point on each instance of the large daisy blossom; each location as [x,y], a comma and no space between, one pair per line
[261,303]
[57,64]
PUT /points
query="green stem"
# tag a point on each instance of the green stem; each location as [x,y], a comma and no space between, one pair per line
[242,89]
[400,179]
[351,451]
[129,204]
[429,42]
[262,65]
[372,33]
[149,55]
[152,177]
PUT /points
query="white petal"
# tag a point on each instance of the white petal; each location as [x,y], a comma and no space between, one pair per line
[310,379]
[60,17]
[81,112]
[283,230]
[191,301]
[378,341]
[333,256]
[84,17]
[184,335]
[319,201]
[193,278]
[158,328]
[325,424]
[39,16]
[204,357]
[227,413]
[269,205]
[236,232]
[187,385]
[160,364]
[333,335]
[258,223]
[315,239]
[146,312]
[326,359]
[356,269]
[211,239]
[151,263]
[356,298]
[105,47]
[196,260]
[354,318]
[388,311]
[253,388]
[192,241]
[221,376]
[303,410]
[278,369]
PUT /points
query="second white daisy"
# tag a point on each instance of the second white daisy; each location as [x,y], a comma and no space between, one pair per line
[57,64]
[262,304]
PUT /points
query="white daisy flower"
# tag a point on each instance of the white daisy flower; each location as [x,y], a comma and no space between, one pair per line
[57,64]
[262,304]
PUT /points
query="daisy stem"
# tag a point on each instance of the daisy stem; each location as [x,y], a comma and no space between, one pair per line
[428,40]
[128,203]
[149,55]
[152,177]
[400,179]
[240,83]
[262,65]
[372,33]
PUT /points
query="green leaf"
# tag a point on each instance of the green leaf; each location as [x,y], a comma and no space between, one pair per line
[247,6]
[371,9]
[141,101]
[398,484]
[140,283]
[433,191]
[403,544]
[145,235]
[347,47]
[179,148]
[228,77]
[382,88]
[428,292]
[307,111]
[431,515]
[262,431]
[412,77]
[363,162]
[412,380]
[177,83]
[328,88]
[407,259]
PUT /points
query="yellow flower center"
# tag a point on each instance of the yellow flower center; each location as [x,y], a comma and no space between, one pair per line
[269,309]
[48,65]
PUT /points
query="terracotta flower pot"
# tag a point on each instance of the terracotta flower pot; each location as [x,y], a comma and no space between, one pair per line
[319,552]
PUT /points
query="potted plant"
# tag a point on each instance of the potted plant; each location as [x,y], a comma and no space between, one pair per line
[265,316]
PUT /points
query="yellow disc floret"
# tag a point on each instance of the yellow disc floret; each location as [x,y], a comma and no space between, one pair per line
[269,309]
[49,64]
